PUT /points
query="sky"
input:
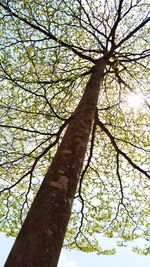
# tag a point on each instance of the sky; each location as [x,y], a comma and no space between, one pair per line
[124,257]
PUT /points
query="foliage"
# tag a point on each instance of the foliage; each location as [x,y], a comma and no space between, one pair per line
[48,49]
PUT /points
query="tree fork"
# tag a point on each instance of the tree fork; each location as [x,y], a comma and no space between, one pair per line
[41,237]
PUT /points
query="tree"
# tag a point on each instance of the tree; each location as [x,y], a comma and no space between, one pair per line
[54,53]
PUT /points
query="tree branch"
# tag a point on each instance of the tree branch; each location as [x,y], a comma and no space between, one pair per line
[119,177]
[30,172]
[48,33]
[82,177]
[141,25]
[112,139]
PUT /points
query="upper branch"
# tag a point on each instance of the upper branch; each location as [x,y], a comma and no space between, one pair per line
[141,25]
[113,30]
[48,33]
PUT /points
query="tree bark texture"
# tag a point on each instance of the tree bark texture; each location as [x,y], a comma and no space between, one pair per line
[41,238]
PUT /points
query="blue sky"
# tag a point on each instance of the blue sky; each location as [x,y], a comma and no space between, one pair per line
[123,258]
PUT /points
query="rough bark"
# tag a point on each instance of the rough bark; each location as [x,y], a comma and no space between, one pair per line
[41,238]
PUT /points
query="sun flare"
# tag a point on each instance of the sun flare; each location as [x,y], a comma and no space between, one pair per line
[135,100]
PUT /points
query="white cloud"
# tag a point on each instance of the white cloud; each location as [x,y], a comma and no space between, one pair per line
[65,261]
[70,263]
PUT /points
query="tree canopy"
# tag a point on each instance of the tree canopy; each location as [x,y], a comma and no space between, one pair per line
[48,51]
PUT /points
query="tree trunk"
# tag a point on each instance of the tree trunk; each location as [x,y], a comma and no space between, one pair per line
[41,238]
